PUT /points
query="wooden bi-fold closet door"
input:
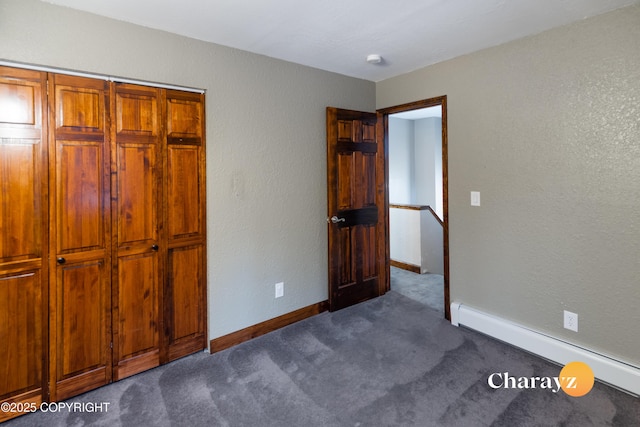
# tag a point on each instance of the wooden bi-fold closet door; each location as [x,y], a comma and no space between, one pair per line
[102,232]
[137,208]
[158,226]
[80,240]
[23,238]
[184,293]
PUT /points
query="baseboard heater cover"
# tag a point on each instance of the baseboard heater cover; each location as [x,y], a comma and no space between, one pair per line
[606,369]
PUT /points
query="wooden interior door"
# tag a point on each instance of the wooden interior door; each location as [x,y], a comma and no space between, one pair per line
[136,136]
[80,293]
[356,208]
[23,238]
[185,286]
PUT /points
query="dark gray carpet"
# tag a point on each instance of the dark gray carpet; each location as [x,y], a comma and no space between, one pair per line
[387,362]
[426,288]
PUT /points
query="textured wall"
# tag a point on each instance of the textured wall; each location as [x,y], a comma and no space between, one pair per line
[548,129]
[401,155]
[266,155]
[428,160]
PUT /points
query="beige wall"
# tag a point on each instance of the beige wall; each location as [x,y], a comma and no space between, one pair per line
[266,171]
[548,130]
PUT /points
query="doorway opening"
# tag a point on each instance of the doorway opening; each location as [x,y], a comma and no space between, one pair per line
[415,144]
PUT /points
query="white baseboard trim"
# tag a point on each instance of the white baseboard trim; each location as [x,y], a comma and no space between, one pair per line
[606,369]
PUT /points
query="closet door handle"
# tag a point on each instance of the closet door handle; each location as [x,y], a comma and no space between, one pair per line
[61,260]
[155,247]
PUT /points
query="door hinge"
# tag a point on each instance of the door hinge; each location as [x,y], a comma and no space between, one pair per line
[111,345]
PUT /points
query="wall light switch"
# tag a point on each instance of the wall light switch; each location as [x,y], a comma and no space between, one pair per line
[475,198]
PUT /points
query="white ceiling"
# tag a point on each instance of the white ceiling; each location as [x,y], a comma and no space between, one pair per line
[337,35]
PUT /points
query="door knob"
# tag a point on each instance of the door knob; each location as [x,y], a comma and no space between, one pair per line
[61,260]
[334,219]
[154,247]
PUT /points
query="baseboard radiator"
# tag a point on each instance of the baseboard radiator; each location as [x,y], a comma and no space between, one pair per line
[606,369]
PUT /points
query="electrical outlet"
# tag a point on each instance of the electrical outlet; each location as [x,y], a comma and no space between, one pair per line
[570,321]
[279,289]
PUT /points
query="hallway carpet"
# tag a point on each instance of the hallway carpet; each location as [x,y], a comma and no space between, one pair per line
[427,288]
[387,362]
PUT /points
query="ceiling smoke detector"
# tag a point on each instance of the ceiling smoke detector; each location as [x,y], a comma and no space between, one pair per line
[374,59]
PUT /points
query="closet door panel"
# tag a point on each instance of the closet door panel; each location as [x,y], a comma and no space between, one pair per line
[82,327]
[184,192]
[79,110]
[80,321]
[20,204]
[137,217]
[21,326]
[17,100]
[23,238]
[81,298]
[185,117]
[185,320]
[137,314]
[185,287]
[79,190]
[137,111]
